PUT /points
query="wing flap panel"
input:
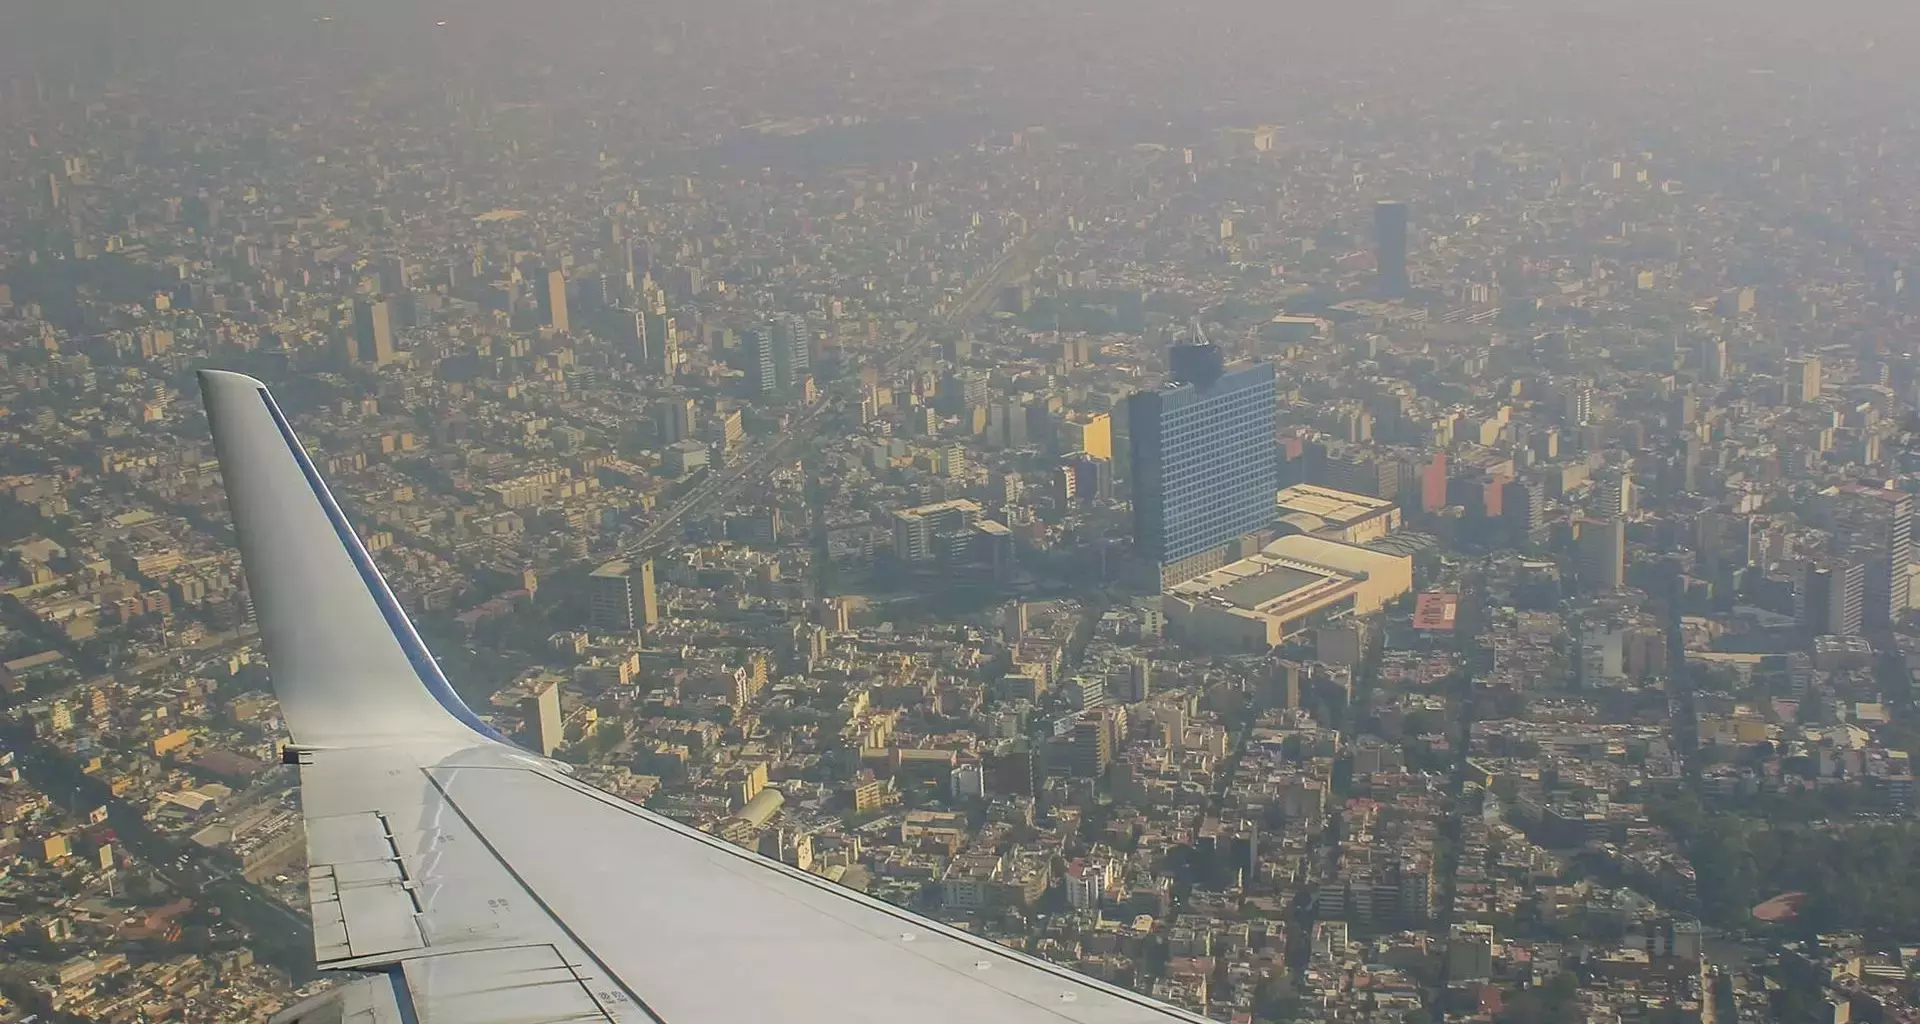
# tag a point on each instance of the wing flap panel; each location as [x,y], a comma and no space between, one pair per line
[509,986]
[355,879]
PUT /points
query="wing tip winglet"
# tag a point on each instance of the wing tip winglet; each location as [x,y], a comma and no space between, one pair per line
[300,549]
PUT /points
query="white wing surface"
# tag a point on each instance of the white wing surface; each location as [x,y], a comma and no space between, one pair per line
[471,882]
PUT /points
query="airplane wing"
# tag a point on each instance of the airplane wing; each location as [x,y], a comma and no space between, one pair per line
[466,881]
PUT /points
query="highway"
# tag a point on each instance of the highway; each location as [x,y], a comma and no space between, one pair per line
[279,934]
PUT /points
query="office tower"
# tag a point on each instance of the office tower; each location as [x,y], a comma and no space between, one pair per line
[550,290]
[659,342]
[964,389]
[757,359]
[1092,745]
[918,532]
[1724,541]
[396,275]
[610,605]
[1202,462]
[1803,380]
[727,429]
[1686,409]
[372,332]
[836,614]
[1875,527]
[542,714]
[792,350]
[1015,626]
[1281,687]
[1711,356]
[1139,681]
[1832,597]
[1088,692]
[1239,856]
[1390,247]
[1545,443]
[676,419]
[1615,495]
[1524,507]
[649,597]
[1470,953]
[1579,397]
[1603,555]
[1092,477]
[1005,487]
[1015,769]
[1006,425]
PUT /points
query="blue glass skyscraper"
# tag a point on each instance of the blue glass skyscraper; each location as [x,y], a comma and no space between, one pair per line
[1204,474]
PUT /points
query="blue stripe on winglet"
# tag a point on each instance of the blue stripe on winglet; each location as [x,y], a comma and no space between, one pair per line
[424,666]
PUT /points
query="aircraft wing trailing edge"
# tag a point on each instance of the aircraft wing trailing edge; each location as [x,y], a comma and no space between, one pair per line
[462,880]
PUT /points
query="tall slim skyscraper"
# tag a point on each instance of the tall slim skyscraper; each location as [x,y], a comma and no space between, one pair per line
[1603,555]
[1579,403]
[551,292]
[1390,247]
[792,349]
[372,332]
[1202,457]
[1092,746]
[1833,597]
[1711,358]
[542,711]
[756,353]
[1524,506]
[659,343]
[649,597]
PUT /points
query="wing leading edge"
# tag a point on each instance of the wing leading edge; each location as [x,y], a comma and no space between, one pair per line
[475,883]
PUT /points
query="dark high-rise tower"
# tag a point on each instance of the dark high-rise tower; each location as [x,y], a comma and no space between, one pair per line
[550,292]
[1204,473]
[1832,597]
[659,342]
[1390,247]
[372,332]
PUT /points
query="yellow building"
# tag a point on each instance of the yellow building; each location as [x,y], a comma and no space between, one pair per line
[541,710]
[1088,432]
[172,741]
[869,796]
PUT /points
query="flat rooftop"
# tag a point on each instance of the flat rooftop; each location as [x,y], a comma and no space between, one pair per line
[1265,583]
[1336,508]
[1435,610]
